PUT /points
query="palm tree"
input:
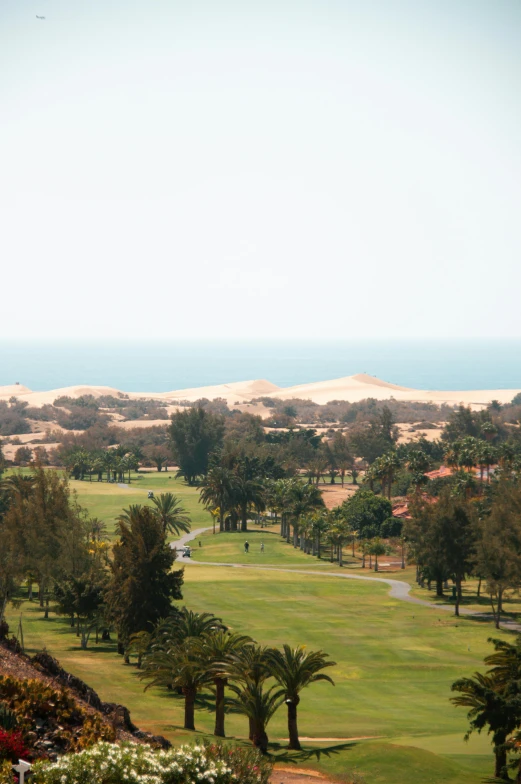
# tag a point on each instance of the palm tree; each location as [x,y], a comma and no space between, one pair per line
[338,534]
[249,665]
[391,463]
[98,466]
[140,645]
[172,515]
[418,461]
[294,669]
[19,484]
[218,491]
[486,455]
[281,502]
[247,493]
[319,527]
[371,475]
[108,460]
[505,662]
[179,666]
[467,459]
[303,499]
[451,456]
[259,705]
[184,625]
[488,707]
[176,657]
[127,516]
[216,650]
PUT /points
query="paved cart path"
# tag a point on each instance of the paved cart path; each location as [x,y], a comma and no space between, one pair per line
[399,589]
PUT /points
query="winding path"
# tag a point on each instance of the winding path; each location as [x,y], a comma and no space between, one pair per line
[399,589]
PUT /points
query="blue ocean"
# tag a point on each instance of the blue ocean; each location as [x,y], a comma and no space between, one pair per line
[160,366]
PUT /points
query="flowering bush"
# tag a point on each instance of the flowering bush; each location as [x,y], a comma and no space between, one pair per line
[12,745]
[107,763]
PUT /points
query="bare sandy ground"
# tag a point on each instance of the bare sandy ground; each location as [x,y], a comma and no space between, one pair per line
[130,424]
[334,495]
[9,450]
[409,433]
[351,388]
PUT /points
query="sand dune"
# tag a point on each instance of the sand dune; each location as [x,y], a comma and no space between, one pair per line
[13,390]
[237,391]
[47,398]
[351,388]
[362,386]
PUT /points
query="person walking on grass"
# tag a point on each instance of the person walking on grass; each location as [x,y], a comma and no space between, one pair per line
[262,547]
[246,547]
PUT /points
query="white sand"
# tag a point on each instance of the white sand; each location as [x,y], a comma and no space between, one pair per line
[350,388]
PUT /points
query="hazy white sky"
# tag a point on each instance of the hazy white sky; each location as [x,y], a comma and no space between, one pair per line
[184,168]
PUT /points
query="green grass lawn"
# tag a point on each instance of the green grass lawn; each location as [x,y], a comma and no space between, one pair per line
[229,548]
[395,664]
[106,501]
[395,661]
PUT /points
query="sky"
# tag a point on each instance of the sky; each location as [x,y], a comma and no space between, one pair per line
[260,168]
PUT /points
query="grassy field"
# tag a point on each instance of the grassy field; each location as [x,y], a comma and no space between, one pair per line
[106,501]
[395,664]
[395,661]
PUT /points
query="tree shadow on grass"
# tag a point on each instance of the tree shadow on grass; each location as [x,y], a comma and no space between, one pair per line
[280,753]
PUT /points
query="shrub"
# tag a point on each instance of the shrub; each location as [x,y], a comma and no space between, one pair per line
[12,746]
[391,527]
[108,763]
[23,455]
[7,717]
[6,773]
[73,727]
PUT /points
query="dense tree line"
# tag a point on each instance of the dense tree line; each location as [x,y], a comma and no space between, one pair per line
[457,536]
[48,540]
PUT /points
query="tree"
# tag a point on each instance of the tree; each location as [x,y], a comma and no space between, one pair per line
[428,548]
[462,422]
[23,455]
[81,597]
[157,454]
[390,463]
[494,700]
[140,645]
[303,499]
[172,515]
[194,435]
[376,549]
[143,584]
[388,429]
[176,657]
[247,493]
[498,549]
[365,512]
[216,649]
[46,528]
[343,456]
[294,669]
[248,668]
[218,491]
[319,526]
[418,462]
[181,665]
[444,535]
[259,705]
